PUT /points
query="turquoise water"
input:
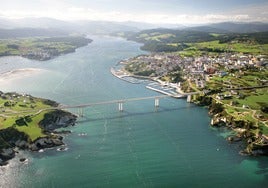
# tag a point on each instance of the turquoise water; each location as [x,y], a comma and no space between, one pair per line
[140,147]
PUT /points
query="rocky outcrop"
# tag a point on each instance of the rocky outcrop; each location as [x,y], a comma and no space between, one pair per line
[234,139]
[11,138]
[46,142]
[57,119]
[259,149]
[218,120]
[252,143]
[7,154]
[258,146]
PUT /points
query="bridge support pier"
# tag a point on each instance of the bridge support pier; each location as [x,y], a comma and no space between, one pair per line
[120,106]
[189,98]
[80,112]
[156,102]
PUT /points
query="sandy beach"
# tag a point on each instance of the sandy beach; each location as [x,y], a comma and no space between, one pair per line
[17,74]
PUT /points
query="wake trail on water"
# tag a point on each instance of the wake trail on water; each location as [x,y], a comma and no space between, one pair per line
[134,155]
[176,146]
[62,81]
[81,79]
[104,135]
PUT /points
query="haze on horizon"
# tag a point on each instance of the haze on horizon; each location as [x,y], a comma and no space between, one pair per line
[149,11]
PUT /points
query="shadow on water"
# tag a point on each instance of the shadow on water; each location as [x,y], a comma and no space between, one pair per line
[262,165]
[124,114]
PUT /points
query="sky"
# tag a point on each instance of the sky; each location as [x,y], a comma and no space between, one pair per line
[150,11]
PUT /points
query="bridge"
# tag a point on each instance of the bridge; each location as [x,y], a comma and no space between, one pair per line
[121,102]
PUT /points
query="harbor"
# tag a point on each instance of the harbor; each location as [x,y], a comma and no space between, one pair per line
[154,85]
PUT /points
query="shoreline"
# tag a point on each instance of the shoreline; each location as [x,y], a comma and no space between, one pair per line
[16,74]
[121,74]
[41,53]
[254,144]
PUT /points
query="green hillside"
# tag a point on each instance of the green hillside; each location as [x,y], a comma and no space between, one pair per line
[190,42]
[41,48]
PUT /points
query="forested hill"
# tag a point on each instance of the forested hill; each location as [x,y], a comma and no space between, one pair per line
[232,27]
[30,32]
[170,40]
[171,35]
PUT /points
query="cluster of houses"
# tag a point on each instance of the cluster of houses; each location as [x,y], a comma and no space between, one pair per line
[11,99]
[197,69]
[38,54]
[44,53]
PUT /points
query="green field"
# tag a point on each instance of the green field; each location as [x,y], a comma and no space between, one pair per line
[41,48]
[193,43]
[234,46]
[32,128]
[156,36]
[16,107]
[244,105]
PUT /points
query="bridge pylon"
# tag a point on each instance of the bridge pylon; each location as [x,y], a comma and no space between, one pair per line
[156,102]
[80,112]
[120,106]
[189,97]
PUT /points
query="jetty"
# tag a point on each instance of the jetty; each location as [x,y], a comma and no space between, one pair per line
[124,76]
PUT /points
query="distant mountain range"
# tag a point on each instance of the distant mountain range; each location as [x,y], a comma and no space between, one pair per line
[30,32]
[70,25]
[231,27]
[46,26]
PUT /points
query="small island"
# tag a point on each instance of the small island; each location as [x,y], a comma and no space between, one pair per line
[30,123]
[41,48]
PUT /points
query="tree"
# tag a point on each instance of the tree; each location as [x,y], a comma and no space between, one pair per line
[216,108]
[21,122]
[264,109]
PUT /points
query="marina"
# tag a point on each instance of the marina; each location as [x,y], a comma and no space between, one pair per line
[157,86]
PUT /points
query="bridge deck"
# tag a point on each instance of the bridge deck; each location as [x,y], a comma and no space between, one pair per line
[111,102]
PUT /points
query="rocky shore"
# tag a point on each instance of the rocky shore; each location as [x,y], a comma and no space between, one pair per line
[12,139]
[253,142]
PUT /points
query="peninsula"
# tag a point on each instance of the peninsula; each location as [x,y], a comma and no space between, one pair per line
[233,86]
[41,48]
[227,71]
[29,123]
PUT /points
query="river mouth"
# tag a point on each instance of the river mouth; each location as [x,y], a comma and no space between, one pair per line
[139,147]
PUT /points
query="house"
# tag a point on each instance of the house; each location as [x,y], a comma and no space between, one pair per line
[245,106]
[220,97]
[233,92]
[222,73]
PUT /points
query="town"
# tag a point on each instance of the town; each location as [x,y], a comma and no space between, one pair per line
[234,86]
[173,68]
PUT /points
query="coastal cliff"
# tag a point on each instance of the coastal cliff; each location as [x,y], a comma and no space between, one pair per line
[13,138]
[252,140]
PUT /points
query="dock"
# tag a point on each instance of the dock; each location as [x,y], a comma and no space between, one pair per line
[123,76]
[170,93]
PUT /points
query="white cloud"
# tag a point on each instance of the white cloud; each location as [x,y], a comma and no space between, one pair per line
[257,13]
